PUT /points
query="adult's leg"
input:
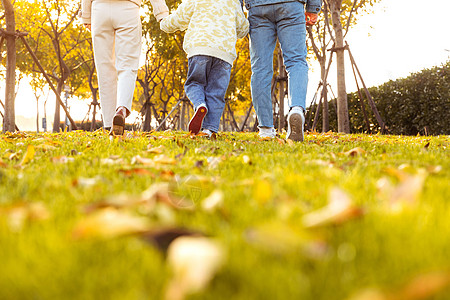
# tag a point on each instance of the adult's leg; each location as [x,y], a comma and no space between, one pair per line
[128,29]
[217,85]
[262,44]
[291,30]
[103,44]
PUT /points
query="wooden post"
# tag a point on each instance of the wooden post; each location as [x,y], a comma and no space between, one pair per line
[361,101]
[369,97]
[173,109]
[246,117]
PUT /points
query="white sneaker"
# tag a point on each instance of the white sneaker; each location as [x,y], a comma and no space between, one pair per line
[207,132]
[265,132]
[296,122]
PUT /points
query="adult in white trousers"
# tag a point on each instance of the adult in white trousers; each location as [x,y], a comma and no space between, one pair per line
[116,35]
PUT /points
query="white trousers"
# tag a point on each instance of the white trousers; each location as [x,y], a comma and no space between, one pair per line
[116,37]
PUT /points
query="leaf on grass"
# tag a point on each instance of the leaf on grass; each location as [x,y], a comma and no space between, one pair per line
[405,194]
[340,209]
[61,159]
[45,147]
[355,152]
[280,238]
[110,223]
[162,159]
[434,169]
[163,237]
[194,262]
[18,214]
[262,191]
[159,159]
[213,201]
[246,160]
[422,287]
[290,142]
[112,160]
[117,201]
[136,171]
[29,155]
[156,150]
[213,162]
[86,182]
[2,163]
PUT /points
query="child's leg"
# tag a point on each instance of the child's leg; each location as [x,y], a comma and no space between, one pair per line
[218,80]
[128,49]
[196,80]
[103,44]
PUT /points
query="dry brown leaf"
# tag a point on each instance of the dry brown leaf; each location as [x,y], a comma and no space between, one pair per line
[340,209]
[290,142]
[162,159]
[18,214]
[162,237]
[355,152]
[136,171]
[142,160]
[110,223]
[194,262]
[61,159]
[155,150]
[421,287]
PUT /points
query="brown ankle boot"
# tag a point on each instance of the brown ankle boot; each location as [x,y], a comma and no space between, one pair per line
[118,127]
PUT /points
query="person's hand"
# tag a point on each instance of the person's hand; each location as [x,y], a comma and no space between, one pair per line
[87,26]
[311,18]
[161,16]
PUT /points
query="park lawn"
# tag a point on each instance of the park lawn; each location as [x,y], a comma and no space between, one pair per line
[80,213]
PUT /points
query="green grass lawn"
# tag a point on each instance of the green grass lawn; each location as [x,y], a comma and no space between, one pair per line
[362,217]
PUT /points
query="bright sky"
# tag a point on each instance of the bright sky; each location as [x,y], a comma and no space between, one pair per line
[402,37]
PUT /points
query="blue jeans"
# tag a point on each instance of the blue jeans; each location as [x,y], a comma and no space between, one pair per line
[207,82]
[287,22]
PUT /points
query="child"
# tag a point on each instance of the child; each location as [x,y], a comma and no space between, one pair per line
[116,38]
[213,26]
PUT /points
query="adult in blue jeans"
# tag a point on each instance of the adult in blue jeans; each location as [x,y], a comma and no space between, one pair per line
[285,20]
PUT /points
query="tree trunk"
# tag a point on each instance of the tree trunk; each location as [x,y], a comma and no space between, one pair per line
[56,118]
[37,114]
[325,117]
[147,117]
[9,122]
[342,106]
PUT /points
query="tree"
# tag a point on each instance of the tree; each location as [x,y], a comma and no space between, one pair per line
[9,121]
[341,15]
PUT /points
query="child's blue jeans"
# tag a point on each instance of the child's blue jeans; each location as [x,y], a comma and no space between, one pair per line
[207,82]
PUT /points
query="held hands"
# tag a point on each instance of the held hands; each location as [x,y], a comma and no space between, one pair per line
[160,9]
[311,18]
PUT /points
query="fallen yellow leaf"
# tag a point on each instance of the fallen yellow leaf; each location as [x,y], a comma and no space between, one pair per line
[340,208]
[194,262]
[29,155]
